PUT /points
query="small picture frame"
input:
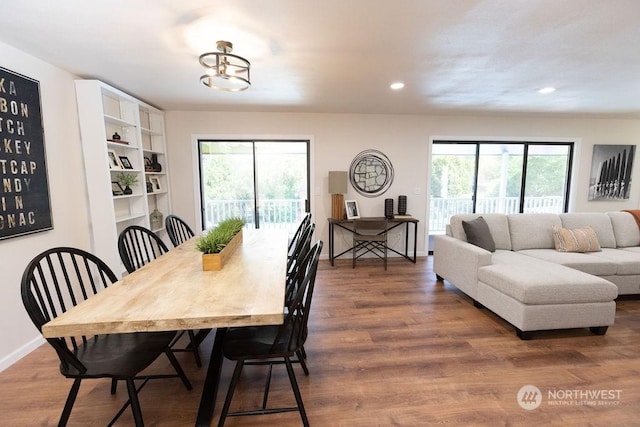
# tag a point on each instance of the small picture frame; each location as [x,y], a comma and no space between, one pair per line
[352,208]
[114,160]
[124,160]
[148,164]
[116,189]
[155,183]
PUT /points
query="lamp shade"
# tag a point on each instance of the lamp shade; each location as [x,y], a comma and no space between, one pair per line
[338,182]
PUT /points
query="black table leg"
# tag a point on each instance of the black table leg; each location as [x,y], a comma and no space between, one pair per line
[212,381]
[331,243]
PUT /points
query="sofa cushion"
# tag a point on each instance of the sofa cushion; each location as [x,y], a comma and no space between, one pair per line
[625,229]
[575,240]
[532,231]
[539,282]
[497,225]
[627,261]
[477,232]
[588,262]
[600,222]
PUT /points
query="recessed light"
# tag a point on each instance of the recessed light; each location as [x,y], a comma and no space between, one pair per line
[397,85]
[546,90]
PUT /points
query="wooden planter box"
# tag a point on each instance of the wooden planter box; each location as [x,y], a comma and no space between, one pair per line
[215,262]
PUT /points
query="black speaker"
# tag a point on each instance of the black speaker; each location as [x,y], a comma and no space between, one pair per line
[402,205]
[388,208]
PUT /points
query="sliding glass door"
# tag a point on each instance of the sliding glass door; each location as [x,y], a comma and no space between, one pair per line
[497,177]
[264,182]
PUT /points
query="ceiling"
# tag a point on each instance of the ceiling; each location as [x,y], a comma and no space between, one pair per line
[339,56]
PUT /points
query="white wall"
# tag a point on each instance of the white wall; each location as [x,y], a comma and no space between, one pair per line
[404,139]
[68,198]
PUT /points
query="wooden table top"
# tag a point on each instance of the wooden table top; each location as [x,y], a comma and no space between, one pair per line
[173,293]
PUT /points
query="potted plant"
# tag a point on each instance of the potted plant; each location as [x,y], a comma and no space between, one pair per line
[126,180]
[218,244]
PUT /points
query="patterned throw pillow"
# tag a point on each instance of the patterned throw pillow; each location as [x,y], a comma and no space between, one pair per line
[576,240]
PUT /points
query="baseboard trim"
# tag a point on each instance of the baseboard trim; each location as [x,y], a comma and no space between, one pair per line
[20,353]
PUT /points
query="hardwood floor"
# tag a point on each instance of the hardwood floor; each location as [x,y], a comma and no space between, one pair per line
[384,348]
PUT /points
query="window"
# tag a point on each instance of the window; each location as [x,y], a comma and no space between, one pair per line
[264,182]
[498,177]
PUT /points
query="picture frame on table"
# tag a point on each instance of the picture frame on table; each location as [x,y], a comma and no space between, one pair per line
[114,160]
[124,161]
[352,208]
[155,183]
[116,189]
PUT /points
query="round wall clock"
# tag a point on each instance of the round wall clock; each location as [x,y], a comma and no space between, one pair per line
[371,173]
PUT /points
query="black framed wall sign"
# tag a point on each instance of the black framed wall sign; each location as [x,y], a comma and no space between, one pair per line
[25,205]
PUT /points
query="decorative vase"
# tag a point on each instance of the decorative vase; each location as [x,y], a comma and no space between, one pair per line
[155,166]
[388,208]
[155,219]
[402,205]
[127,190]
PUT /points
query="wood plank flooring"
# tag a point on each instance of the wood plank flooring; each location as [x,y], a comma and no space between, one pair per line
[384,348]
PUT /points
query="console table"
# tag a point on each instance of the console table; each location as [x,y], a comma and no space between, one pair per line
[347,224]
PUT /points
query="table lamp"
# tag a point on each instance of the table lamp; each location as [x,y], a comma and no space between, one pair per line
[337,189]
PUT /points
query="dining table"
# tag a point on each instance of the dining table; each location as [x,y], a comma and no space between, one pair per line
[173,292]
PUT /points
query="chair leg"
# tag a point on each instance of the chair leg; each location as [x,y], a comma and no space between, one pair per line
[114,386]
[194,347]
[304,353]
[296,391]
[178,369]
[232,387]
[303,363]
[71,398]
[135,404]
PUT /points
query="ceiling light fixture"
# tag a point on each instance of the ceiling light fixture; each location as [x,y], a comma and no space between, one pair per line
[224,70]
[397,85]
[546,90]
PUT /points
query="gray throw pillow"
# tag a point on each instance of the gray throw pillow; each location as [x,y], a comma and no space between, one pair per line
[478,234]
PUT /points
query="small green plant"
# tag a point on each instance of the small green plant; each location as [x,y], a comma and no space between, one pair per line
[127,179]
[218,238]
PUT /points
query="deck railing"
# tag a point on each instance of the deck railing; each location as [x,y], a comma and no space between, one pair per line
[274,213]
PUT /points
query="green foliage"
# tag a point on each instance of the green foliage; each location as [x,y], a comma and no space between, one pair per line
[127,179]
[218,238]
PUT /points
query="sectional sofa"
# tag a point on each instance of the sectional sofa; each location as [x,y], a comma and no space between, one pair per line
[524,279]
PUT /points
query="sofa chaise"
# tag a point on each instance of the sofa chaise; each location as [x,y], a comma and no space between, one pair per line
[524,279]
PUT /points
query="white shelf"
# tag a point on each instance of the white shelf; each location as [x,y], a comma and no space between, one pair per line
[118,121]
[131,217]
[103,111]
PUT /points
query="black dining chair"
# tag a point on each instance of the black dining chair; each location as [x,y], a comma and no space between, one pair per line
[306,221]
[298,252]
[139,246]
[295,276]
[177,229]
[370,236]
[274,344]
[57,280]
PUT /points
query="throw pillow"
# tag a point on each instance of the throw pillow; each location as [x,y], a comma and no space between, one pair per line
[478,234]
[576,240]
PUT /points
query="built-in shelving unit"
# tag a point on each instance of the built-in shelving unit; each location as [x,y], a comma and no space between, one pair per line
[121,134]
